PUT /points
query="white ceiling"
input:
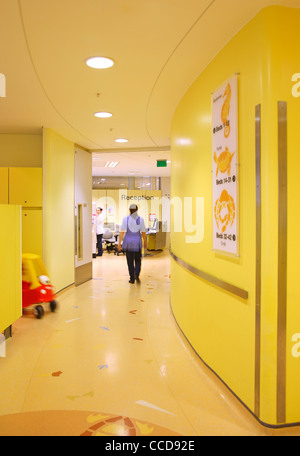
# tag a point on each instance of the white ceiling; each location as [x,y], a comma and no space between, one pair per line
[159,47]
[135,164]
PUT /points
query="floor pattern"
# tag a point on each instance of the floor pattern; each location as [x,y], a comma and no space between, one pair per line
[112,361]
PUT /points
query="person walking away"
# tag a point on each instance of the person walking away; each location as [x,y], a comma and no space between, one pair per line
[132,232]
[99,229]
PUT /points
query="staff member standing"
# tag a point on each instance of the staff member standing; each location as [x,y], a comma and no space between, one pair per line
[99,229]
[132,231]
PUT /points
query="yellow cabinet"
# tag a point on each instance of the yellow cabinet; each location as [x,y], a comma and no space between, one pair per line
[26,186]
[3,185]
[10,265]
[32,231]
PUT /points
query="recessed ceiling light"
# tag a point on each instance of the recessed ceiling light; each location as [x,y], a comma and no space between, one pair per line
[111,164]
[103,115]
[121,140]
[100,63]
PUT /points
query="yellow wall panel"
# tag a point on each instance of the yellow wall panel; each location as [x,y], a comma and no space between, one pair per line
[10,265]
[58,208]
[99,197]
[21,150]
[112,206]
[26,186]
[3,185]
[32,231]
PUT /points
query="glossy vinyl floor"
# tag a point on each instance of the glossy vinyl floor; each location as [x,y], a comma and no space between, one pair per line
[112,361]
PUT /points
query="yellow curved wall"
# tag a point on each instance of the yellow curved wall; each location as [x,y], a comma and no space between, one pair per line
[58,213]
[219,325]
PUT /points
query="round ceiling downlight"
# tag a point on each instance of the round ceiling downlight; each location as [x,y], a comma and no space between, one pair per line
[121,140]
[99,62]
[103,115]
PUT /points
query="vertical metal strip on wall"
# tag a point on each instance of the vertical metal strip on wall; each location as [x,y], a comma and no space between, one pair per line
[282,262]
[258,259]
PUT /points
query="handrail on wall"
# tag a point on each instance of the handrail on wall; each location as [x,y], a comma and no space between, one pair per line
[211,279]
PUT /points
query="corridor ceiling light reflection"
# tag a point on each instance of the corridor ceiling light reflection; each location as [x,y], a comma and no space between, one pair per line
[183,141]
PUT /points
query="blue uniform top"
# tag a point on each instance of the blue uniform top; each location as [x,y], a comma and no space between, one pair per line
[133,225]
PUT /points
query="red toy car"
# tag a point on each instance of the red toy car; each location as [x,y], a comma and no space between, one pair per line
[36,285]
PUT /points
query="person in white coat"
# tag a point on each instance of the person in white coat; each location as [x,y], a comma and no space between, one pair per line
[99,229]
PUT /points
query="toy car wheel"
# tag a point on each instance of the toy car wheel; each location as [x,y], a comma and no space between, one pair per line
[38,312]
[53,306]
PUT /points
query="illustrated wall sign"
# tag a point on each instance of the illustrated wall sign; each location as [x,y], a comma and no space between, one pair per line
[224,167]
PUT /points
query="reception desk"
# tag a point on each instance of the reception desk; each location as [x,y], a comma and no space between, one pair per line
[156,238]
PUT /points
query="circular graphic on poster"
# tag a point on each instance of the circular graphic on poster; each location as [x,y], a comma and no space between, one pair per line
[224,211]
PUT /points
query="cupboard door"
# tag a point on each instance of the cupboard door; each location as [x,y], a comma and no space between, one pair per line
[32,231]
[26,187]
[10,266]
[3,185]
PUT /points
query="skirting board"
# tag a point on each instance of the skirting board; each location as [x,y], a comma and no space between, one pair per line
[83,273]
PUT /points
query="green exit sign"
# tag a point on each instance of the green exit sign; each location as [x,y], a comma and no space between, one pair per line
[161,163]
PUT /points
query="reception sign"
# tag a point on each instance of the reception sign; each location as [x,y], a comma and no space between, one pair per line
[225,167]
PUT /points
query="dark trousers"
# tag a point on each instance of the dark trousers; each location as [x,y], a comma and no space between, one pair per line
[134,262]
[99,243]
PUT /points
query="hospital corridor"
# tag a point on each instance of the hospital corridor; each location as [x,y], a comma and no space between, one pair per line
[112,361]
[166,132]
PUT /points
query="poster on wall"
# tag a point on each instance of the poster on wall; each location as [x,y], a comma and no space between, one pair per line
[225,167]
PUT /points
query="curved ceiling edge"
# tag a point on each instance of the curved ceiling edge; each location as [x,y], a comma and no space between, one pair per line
[168,61]
[40,82]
